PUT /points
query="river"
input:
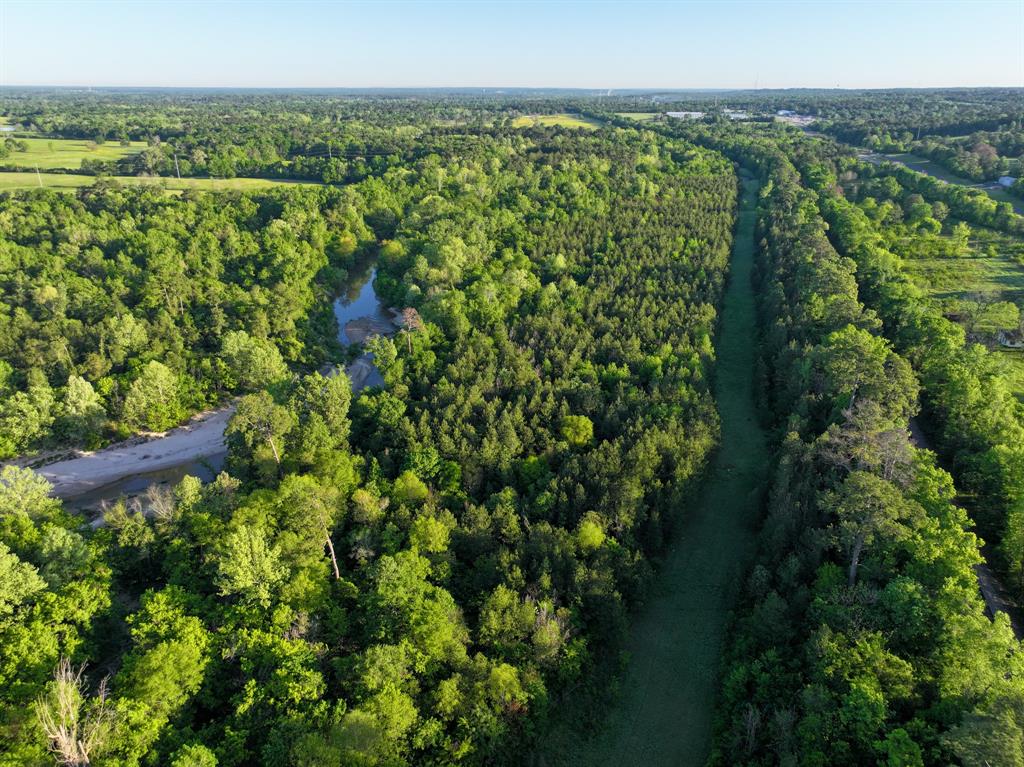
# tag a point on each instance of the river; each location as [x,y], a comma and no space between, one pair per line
[128,469]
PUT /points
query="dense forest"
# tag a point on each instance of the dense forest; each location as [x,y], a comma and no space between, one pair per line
[126,310]
[411,576]
[447,568]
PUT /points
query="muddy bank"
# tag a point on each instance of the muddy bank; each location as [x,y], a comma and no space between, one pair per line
[359,331]
[197,448]
[202,436]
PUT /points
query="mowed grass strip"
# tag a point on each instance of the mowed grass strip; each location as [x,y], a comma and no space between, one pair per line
[66,153]
[18,180]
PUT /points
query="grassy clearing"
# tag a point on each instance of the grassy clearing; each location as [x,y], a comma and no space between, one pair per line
[1014,359]
[51,153]
[560,120]
[664,715]
[992,264]
[16,180]
[642,117]
[960,278]
[972,286]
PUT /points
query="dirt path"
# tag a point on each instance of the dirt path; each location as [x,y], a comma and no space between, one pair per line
[664,716]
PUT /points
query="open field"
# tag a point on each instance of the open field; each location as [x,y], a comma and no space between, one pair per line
[50,153]
[993,271]
[560,120]
[15,180]
[959,278]
[642,117]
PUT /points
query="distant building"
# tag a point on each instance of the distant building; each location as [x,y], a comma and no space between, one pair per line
[1010,339]
[785,113]
[1007,180]
[735,114]
[686,115]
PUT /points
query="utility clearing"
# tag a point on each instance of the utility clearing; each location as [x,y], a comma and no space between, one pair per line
[664,715]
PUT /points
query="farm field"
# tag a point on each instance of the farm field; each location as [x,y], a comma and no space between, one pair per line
[559,120]
[16,180]
[54,153]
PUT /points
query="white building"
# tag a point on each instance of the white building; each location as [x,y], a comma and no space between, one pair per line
[1006,180]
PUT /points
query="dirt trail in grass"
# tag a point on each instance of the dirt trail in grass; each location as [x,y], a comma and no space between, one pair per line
[665,713]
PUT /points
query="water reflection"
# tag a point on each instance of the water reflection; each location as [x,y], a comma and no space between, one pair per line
[359,300]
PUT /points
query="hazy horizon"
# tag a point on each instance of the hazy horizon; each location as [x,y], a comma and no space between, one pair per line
[584,45]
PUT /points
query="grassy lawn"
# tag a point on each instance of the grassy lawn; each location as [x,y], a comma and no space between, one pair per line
[561,120]
[15,180]
[49,153]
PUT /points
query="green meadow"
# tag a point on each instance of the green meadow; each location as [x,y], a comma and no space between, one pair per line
[15,180]
[641,117]
[58,153]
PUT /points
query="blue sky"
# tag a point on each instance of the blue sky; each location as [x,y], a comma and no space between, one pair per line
[537,44]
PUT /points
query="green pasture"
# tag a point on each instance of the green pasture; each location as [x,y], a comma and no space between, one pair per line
[18,180]
[53,153]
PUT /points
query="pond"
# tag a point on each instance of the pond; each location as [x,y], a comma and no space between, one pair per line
[358,310]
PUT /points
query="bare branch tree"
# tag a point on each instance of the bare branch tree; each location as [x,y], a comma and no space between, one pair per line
[76,727]
[412,323]
[161,503]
